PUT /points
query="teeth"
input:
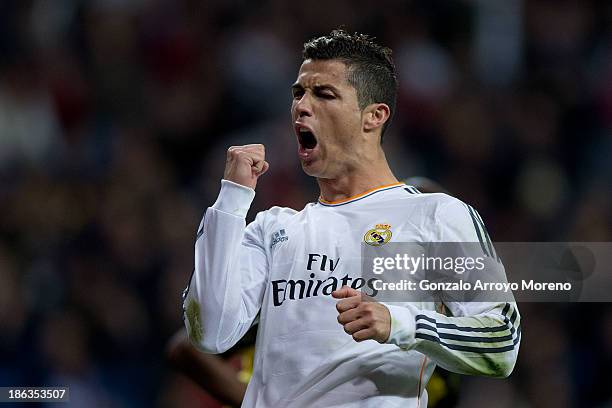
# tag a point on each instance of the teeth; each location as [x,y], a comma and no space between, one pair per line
[303,130]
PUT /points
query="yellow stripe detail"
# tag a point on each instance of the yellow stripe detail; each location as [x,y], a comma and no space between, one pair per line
[321,199]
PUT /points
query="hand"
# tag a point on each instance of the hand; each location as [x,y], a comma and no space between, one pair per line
[362,317]
[245,164]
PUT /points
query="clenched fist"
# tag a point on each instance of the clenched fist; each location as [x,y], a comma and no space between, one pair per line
[362,317]
[245,164]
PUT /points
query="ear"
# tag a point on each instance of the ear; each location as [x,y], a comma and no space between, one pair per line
[375,115]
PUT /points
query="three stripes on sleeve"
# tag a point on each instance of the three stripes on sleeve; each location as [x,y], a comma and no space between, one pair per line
[492,339]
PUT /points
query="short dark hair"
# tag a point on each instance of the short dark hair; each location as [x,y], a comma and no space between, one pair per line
[370,67]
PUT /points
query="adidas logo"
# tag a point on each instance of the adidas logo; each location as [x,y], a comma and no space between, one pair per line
[280,236]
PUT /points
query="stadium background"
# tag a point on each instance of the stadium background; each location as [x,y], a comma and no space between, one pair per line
[115,117]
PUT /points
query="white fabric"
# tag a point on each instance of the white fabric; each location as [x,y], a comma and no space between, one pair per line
[303,357]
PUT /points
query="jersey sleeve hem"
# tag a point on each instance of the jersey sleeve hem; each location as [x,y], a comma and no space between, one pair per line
[403,326]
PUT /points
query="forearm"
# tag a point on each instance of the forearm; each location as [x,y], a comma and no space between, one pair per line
[484,344]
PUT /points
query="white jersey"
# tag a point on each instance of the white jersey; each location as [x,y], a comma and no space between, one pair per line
[280,270]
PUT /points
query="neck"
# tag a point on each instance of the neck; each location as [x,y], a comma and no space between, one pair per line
[356,181]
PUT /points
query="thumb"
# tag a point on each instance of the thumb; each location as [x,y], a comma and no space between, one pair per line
[345,292]
[257,166]
[264,168]
[260,167]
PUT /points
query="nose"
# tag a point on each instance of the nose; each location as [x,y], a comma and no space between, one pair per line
[303,106]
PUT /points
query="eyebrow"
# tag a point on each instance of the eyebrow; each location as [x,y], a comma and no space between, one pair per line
[299,87]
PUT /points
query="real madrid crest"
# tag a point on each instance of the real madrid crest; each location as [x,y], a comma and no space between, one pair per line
[379,235]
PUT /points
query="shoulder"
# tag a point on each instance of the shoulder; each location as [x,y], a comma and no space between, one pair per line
[450,209]
[448,218]
[442,204]
[458,220]
[277,213]
[434,204]
[273,216]
[447,206]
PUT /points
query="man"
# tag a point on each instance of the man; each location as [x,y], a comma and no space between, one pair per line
[320,341]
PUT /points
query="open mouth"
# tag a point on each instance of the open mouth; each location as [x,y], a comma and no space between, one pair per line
[306,138]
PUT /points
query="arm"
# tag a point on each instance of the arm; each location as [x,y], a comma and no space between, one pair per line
[481,343]
[210,372]
[480,338]
[226,289]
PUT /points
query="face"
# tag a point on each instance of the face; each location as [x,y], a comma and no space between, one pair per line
[326,119]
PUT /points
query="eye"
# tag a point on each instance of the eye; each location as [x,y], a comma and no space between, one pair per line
[326,95]
[297,93]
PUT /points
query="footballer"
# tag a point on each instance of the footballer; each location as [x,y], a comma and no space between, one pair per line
[321,342]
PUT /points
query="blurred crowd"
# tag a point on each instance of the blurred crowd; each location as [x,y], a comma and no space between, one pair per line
[114,121]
